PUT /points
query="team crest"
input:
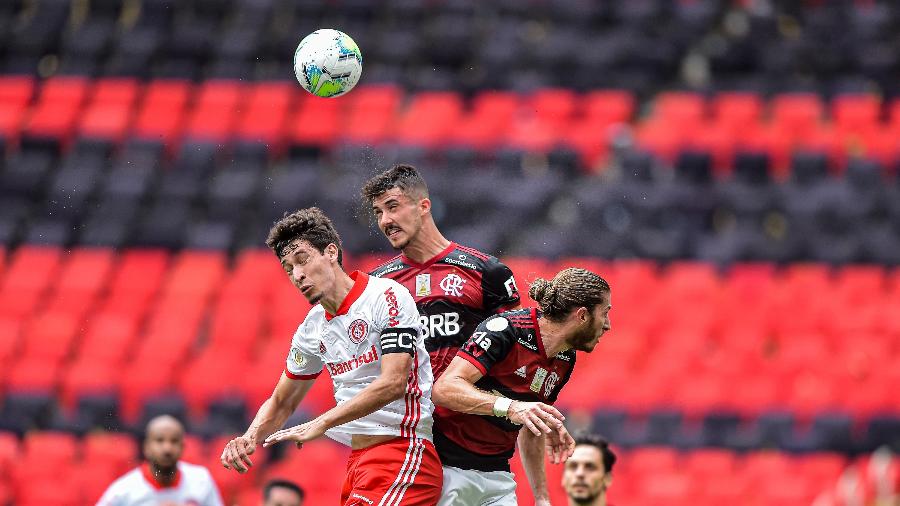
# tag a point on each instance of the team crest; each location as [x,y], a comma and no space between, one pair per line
[358,331]
[550,384]
[298,358]
[453,285]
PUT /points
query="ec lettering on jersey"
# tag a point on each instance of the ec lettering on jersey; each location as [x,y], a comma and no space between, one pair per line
[358,360]
[441,324]
[393,307]
[398,340]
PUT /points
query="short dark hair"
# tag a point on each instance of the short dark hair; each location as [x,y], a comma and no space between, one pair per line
[310,225]
[570,289]
[402,176]
[283,484]
[600,443]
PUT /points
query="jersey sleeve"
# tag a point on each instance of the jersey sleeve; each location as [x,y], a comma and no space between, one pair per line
[397,317]
[500,290]
[303,363]
[212,498]
[112,496]
[490,344]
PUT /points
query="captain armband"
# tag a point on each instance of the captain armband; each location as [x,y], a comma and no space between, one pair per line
[399,340]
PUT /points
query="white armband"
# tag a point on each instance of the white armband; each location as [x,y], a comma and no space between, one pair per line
[501,407]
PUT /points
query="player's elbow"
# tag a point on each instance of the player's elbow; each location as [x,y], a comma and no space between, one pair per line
[440,391]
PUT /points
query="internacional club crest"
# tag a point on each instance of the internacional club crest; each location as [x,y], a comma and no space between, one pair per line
[358,331]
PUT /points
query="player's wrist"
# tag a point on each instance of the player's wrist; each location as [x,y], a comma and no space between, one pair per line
[501,407]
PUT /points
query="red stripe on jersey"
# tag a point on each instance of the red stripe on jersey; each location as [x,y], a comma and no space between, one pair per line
[293,376]
[473,252]
[474,362]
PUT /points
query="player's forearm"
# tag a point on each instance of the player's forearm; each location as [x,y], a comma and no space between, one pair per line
[376,395]
[531,451]
[457,394]
[270,417]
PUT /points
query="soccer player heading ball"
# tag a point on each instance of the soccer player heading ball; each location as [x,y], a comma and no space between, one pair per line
[455,288]
[367,331]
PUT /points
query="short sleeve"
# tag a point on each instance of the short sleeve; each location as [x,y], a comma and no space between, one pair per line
[397,319]
[110,497]
[490,344]
[303,363]
[500,290]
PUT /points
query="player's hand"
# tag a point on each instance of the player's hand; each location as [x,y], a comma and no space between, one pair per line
[542,502]
[537,417]
[236,454]
[560,445]
[299,434]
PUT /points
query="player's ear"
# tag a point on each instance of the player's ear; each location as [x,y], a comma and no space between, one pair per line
[582,314]
[425,205]
[331,251]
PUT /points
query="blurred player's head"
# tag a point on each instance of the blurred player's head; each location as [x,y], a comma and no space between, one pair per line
[163,444]
[309,249]
[399,199]
[579,299]
[282,493]
[588,472]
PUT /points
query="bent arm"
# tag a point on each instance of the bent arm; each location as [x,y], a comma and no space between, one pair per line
[456,389]
[386,388]
[531,451]
[278,408]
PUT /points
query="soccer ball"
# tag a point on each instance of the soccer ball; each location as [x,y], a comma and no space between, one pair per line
[327,63]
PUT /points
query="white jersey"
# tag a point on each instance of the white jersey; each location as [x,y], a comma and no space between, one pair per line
[194,486]
[378,316]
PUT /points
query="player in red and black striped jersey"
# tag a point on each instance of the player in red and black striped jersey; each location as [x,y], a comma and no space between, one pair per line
[455,287]
[505,377]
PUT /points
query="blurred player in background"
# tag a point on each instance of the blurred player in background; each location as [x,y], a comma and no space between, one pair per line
[163,479]
[366,331]
[506,376]
[588,472]
[282,493]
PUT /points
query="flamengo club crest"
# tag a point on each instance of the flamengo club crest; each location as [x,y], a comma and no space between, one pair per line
[452,285]
[358,331]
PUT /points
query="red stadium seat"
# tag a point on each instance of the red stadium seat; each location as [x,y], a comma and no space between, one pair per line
[316,123]
[50,448]
[682,109]
[798,114]
[10,338]
[110,111]
[85,272]
[735,111]
[265,113]
[429,119]
[31,269]
[140,381]
[118,450]
[652,460]
[553,106]
[370,115]
[213,117]
[856,113]
[87,377]
[51,336]
[488,121]
[206,379]
[109,338]
[161,113]
[56,110]
[195,274]
[9,451]
[32,375]
[16,90]
[60,489]
[11,118]
[609,106]
[93,479]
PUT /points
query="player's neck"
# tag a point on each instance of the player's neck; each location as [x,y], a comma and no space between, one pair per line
[332,300]
[164,477]
[428,243]
[553,337]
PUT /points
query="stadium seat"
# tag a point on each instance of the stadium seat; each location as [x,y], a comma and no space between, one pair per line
[162,110]
[116,449]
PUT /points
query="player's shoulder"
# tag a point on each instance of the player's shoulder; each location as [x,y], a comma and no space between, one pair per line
[473,259]
[393,265]
[128,481]
[378,285]
[194,471]
[512,323]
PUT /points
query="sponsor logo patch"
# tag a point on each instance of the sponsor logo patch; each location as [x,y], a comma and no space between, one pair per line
[520,372]
[538,381]
[423,285]
[497,324]
[393,307]
[355,362]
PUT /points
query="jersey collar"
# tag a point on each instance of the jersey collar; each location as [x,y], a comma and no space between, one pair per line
[148,476]
[432,260]
[360,280]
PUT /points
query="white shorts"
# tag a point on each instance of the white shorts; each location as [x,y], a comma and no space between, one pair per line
[468,487]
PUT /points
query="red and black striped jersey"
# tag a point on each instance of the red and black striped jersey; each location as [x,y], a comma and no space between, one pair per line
[509,352]
[454,292]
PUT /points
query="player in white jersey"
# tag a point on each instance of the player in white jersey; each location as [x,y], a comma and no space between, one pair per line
[163,479]
[366,332]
